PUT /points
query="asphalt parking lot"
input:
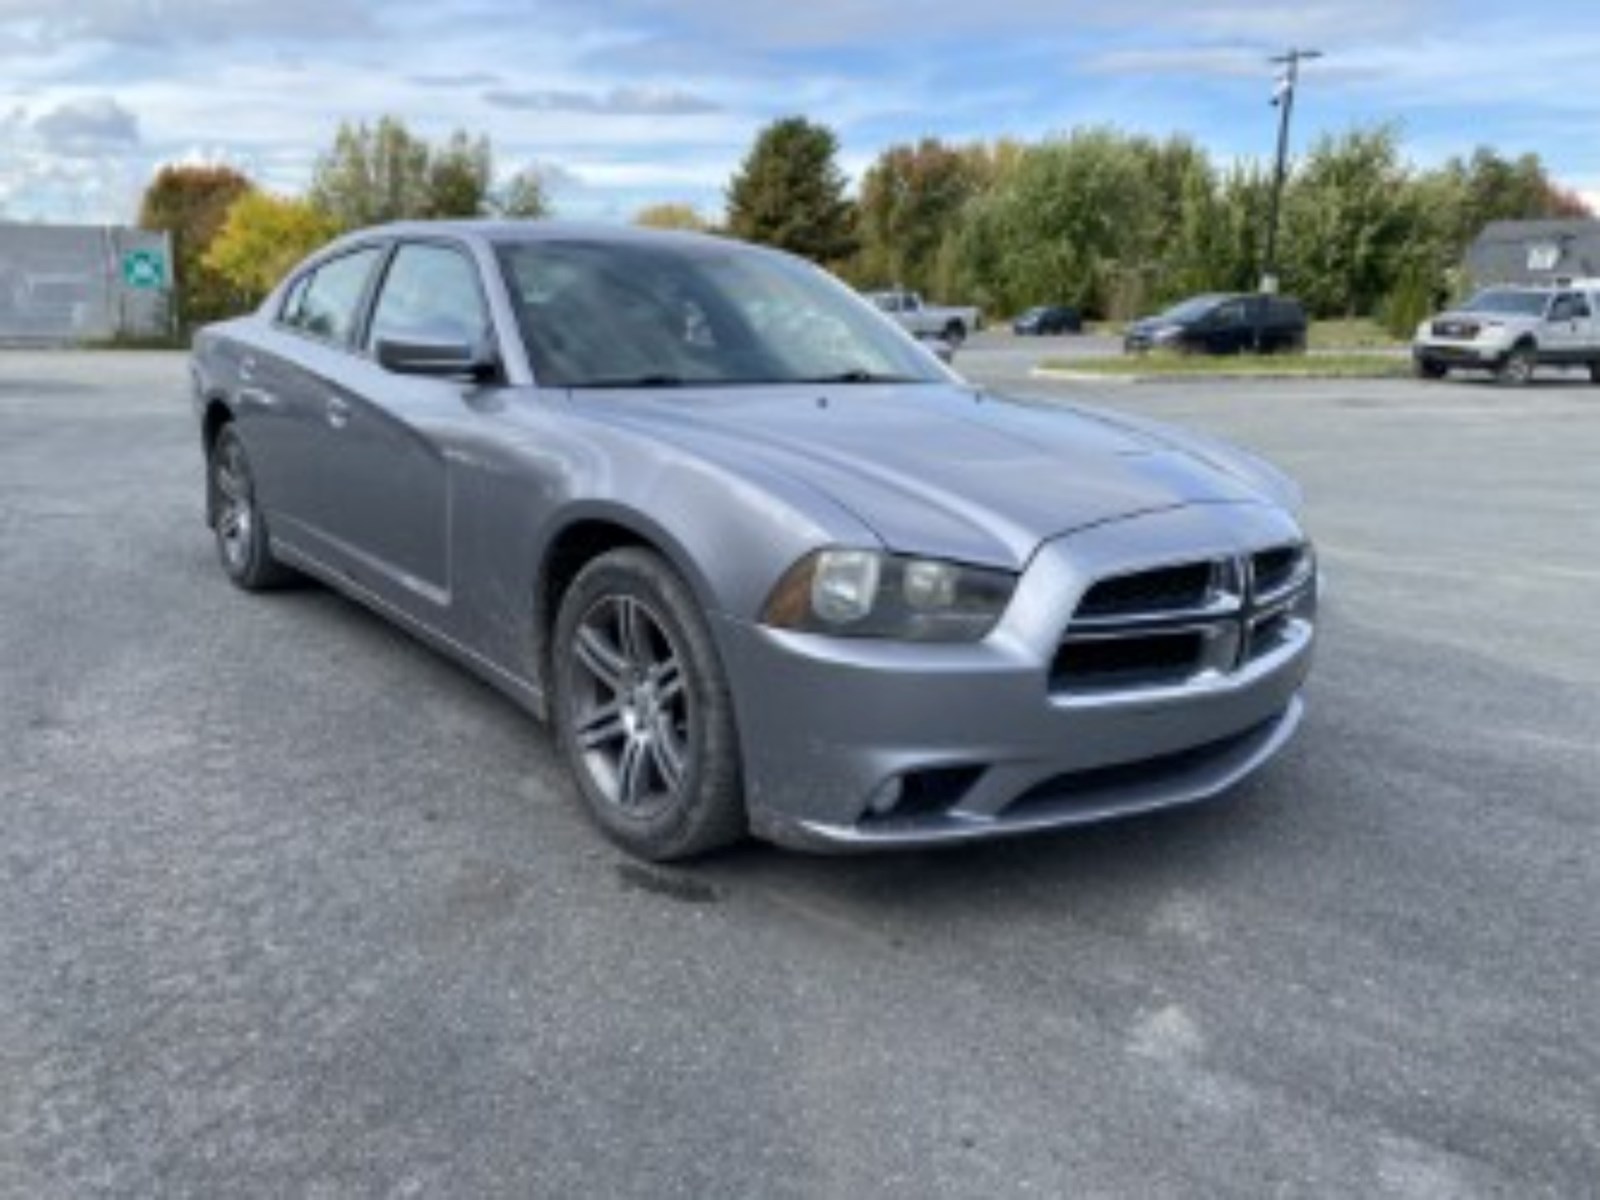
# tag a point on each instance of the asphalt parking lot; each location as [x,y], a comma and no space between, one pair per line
[291,906]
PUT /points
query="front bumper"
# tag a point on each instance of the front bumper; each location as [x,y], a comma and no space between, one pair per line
[832,728]
[1457,353]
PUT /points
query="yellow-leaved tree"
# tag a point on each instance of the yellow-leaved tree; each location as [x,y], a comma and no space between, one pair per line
[262,237]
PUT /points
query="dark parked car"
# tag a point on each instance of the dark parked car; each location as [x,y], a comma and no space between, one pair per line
[764,563]
[1048,318]
[1223,324]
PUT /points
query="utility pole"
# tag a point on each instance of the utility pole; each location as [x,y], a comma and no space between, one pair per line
[1283,101]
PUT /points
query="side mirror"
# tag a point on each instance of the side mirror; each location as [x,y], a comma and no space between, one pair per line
[442,357]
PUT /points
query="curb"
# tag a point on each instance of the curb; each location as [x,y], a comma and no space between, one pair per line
[1208,376]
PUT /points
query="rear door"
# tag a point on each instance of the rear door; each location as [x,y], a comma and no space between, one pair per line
[295,376]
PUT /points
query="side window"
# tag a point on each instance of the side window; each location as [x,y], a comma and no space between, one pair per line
[430,293]
[291,301]
[1580,307]
[330,300]
[1231,313]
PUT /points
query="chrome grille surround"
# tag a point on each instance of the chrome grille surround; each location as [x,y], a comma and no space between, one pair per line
[1253,606]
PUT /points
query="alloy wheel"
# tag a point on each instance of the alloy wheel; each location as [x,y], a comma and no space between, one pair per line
[236,521]
[630,709]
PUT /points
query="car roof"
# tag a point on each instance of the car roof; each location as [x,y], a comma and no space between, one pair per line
[501,232]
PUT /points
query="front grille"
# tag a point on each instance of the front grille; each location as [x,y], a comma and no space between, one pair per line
[1275,569]
[1173,623]
[1124,661]
[1455,329]
[1165,589]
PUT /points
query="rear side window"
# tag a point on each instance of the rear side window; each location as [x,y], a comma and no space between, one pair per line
[431,293]
[327,304]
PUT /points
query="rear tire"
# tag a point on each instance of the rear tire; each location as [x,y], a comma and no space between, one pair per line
[1594,372]
[243,544]
[955,333]
[643,712]
[1516,368]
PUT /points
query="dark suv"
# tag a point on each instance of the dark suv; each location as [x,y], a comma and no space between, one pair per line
[1048,318]
[1223,324]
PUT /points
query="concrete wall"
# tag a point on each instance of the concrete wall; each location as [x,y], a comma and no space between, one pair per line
[65,284]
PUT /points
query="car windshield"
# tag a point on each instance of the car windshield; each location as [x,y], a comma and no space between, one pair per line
[1507,300]
[628,313]
[1189,310]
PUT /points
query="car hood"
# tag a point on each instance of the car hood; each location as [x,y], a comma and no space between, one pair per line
[949,471]
[1508,320]
[1151,325]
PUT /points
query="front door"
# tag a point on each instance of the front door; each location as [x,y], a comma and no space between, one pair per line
[1566,330]
[390,477]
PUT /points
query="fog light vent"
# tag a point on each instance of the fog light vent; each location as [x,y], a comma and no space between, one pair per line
[925,793]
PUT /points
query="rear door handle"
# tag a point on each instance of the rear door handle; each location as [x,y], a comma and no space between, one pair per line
[338,412]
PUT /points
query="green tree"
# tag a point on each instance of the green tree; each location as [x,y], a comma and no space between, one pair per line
[190,203]
[911,198]
[671,216]
[1349,217]
[458,176]
[262,237]
[373,174]
[522,197]
[790,193]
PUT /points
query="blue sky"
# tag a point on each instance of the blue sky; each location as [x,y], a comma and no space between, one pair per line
[624,102]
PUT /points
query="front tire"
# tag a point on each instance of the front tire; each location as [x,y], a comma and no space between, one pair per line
[242,542]
[1431,368]
[1516,368]
[643,711]
[1594,372]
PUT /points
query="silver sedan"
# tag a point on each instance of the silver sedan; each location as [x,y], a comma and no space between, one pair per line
[762,560]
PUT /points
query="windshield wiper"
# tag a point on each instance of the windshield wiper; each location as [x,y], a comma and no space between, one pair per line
[657,380]
[859,375]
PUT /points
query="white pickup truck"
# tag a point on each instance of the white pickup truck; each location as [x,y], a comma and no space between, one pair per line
[928,320]
[1513,330]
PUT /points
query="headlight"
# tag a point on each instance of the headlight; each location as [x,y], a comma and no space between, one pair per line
[865,593]
[1167,333]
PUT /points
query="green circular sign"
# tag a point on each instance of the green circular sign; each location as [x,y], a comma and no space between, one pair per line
[144,269]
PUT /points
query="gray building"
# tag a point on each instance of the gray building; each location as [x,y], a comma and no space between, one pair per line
[82,283]
[1535,252]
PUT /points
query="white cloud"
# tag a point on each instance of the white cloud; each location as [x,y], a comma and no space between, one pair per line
[621,101]
[1179,60]
[86,128]
[166,22]
[456,79]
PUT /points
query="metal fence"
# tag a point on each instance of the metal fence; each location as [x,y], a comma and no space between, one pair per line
[82,283]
